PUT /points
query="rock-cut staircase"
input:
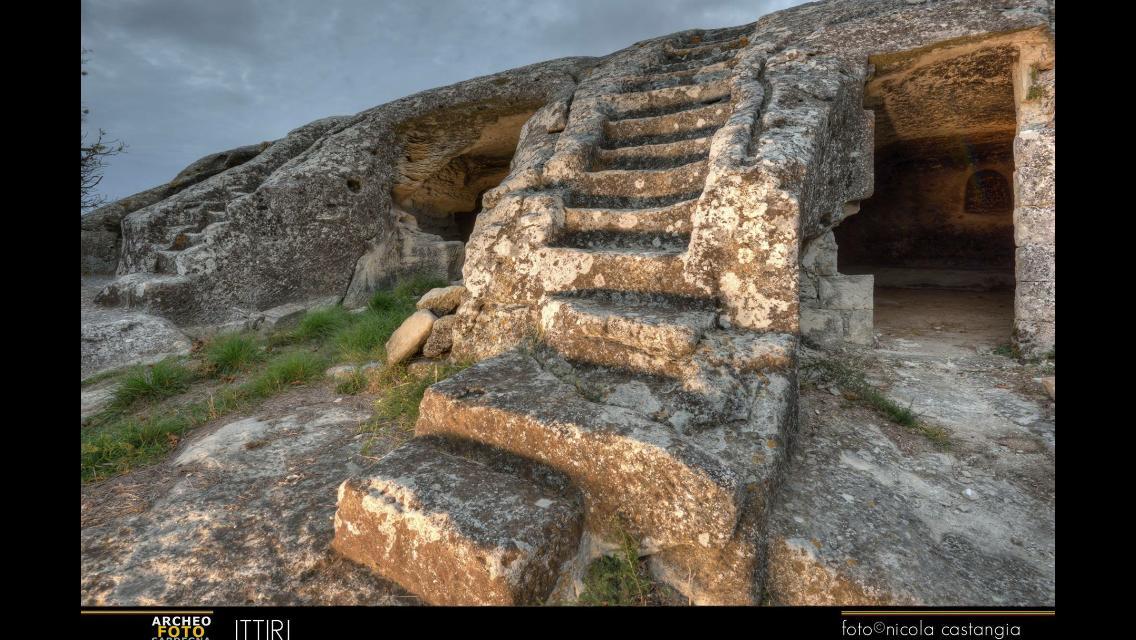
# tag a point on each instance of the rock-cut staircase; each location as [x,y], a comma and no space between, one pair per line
[637,411]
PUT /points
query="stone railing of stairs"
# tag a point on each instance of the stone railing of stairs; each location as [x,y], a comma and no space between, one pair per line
[634,306]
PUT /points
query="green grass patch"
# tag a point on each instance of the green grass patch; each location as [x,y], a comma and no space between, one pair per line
[400,394]
[365,338]
[414,285]
[133,431]
[232,353]
[128,442]
[1007,351]
[318,324]
[353,384]
[116,442]
[151,383]
[855,386]
[285,370]
[386,301]
[619,579]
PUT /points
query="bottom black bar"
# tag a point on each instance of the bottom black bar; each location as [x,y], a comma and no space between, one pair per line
[306,623]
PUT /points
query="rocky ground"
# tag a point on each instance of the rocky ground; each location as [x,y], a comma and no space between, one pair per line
[241,512]
[113,337]
[874,513]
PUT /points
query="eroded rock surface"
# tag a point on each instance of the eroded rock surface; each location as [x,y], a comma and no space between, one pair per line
[872,514]
[240,514]
[113,338]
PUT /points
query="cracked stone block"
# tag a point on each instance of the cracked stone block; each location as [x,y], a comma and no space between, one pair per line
[1035,225]
[846,292]
[858,327]
[819,256]
[1035,263]
[453,531]
[824,326]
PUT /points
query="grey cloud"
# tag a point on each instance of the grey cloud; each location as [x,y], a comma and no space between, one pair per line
[178,79]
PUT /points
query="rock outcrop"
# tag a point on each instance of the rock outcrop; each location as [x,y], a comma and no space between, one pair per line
[633,285]
[634,290]
[307,216]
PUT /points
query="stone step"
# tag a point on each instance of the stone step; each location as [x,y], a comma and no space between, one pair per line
[643,270]
[166,261]
[653,81]
[144,289]
[698,118]
[667,490]
[454,531]
[650,334]
[677,77]
[652,140]
[671,219]
[175,239]
[647,156]
[621,240]
[706,49]
[697,62]
[601,201]
[637,104]
[643,183]
[676,107]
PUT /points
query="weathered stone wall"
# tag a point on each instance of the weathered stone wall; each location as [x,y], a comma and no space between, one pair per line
[1034,200]
[101,237]
[834,307]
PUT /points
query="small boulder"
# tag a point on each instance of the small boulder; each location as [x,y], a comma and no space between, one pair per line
[409,338]
[443,300]
[441,337]
[1048,383]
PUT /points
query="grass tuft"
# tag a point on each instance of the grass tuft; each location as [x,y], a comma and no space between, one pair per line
[1007,351]
[232,353]
[161,380]
[353,384]
[384,301]
[400,396]
[366,337]
[126,443]
[295,368]
[414,285]
[318,324]
[619,579]
[856,388]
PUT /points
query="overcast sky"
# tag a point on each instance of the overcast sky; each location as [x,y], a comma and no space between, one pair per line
[178,79]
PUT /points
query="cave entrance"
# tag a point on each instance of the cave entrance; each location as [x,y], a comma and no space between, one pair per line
[938,234]
[451,159]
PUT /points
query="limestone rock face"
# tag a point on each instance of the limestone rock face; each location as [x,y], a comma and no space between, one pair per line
[101,240]
[410,336]
[298,219]
[406,250]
